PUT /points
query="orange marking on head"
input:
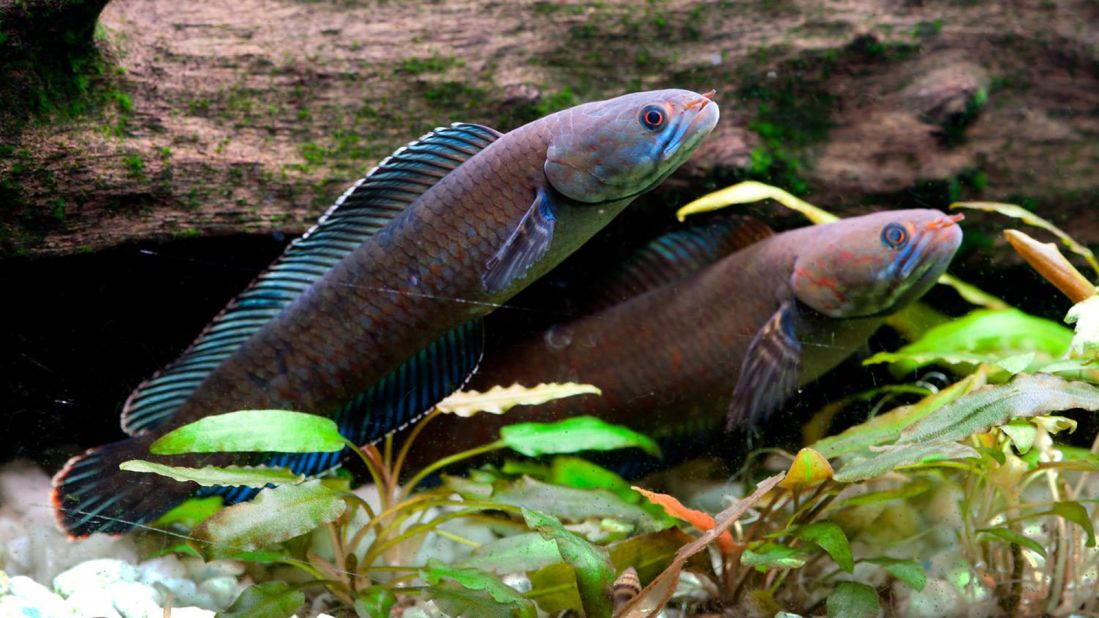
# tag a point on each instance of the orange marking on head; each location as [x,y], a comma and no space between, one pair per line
[944,221]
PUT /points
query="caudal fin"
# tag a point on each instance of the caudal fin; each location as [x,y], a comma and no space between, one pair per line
[90,494]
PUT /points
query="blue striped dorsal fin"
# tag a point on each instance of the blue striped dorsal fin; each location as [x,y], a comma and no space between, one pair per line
[357,215]
[397,400]
[680,253]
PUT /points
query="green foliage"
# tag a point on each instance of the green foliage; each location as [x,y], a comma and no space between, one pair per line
[272,599]
[506,600]
[853,600]
[592,564]
[572,435]
[211,475]
[253,430]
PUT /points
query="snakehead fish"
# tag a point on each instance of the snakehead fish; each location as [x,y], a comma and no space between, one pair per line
[374,314]
[709,334]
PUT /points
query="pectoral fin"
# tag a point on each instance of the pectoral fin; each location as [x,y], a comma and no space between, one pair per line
[527,244]
[770,371]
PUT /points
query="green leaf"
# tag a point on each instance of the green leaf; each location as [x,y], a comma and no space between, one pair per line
[1015,364]
[751,191]
[278,431]
[1018,212]
[885,459]
[1010,536]
[981,336]
[275,515]
[774,556]
[554,589]
[852,600]
[907,571]
[574,505]
[904,492]
[572,435]
[829,537]
[500,399]
[1021,433]
[652,552]
[458,602]
[272,599]
[247,476]
[190,513]
[476,579]
[375,602]
[583,474]
[888,427]
[1026,395]
[594,571]
[971,293]
[528,551]
[1077,514]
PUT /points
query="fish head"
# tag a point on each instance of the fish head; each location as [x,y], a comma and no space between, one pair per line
[874,264]
[621,147]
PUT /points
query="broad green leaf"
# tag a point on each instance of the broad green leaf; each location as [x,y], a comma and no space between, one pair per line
[1026,395]
[374,602]
[885,459]
[652,552]
[1010,536]
[908,571]
[594,571]
[829,537]
[1017,363]
[277,431]
[458,602]
[1077,514]
[1018,212]
[887,427]
[774,556]
[572,435]
[853,600]
[751,191]
[553,588]
[275,515]
[583,474]
[1085,315]
[500,399]
[190,513]
[981,336]
[528,551]
[809,469]
[273,599]
[572,504]
[476,579]
[247,476]
[1021,434]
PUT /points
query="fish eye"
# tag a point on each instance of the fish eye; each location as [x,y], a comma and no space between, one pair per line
[652,117]
[894,235]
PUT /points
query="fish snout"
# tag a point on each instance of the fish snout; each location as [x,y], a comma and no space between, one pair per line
[943,222]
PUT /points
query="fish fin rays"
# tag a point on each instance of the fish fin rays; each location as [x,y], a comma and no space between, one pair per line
[356,216]
[399,399]
[770,373]
[527,244]
[679,253]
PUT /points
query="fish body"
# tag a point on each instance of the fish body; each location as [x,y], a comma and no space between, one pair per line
[732,341]
[374,315]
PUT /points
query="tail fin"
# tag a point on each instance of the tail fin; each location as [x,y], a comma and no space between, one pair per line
[90,494]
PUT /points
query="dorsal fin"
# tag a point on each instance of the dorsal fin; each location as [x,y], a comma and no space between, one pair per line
[680,253]
[357,215]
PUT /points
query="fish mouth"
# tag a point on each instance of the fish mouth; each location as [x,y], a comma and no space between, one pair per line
[943,222]
[705,117]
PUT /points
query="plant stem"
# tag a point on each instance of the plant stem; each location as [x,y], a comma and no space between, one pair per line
[446,461]
[407,444]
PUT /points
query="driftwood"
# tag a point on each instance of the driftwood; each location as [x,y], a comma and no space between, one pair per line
[188,118]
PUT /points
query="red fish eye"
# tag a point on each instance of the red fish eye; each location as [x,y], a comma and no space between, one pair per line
[652,117]
[894,235]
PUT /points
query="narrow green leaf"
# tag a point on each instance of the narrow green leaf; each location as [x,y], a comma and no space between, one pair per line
[278,431]
[908,571]
[476,579]
[272,599]
[247,476]
[572,435]
[1010,536]
[574,505]
[885,459]
[852,600]
[274,516]
[1026,395]
[1018,212]
[904,492]
[774,556]
[458,602]
[375,602]
[829,537]
[751,191]
[594,570]
[190,513]
[1077,514]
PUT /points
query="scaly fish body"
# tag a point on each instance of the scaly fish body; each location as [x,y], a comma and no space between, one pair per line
[373,316]
[674,356]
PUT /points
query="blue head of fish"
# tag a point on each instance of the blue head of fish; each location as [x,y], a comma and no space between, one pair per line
[618,148]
